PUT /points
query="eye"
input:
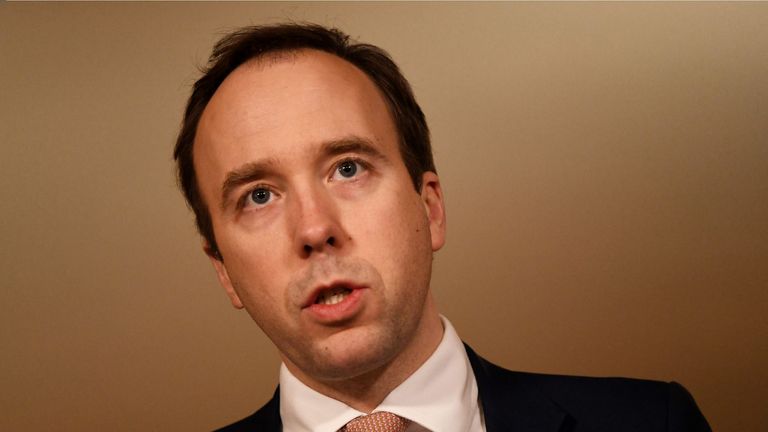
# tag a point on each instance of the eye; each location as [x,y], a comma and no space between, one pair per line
[257,198]
[260,196]
[349,169]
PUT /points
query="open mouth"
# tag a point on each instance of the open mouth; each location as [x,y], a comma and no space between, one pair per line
[332,296]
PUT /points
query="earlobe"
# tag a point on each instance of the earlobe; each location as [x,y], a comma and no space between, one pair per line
[432,197]
[221,273]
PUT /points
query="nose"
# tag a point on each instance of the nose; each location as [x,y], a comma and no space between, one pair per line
[318,228]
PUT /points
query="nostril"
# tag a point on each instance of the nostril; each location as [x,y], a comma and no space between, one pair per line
[310,248]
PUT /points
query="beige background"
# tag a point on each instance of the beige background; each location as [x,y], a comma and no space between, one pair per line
[606,172]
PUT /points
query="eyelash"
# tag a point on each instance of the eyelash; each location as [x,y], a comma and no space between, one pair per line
[243,201]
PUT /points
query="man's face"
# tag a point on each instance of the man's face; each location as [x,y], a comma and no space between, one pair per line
[324,239]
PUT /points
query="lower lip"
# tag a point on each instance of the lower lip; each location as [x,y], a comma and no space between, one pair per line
[339,312]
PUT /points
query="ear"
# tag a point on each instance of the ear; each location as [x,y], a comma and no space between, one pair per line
[432,197]
[221,273]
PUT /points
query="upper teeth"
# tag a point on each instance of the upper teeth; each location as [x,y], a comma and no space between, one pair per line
[333,296]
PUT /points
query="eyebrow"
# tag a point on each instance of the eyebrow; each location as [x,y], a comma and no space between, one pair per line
[252,171]
[351,144]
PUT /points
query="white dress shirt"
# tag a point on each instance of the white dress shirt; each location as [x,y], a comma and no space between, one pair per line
[441,396]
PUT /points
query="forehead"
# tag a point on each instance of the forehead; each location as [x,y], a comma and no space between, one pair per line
[288,105]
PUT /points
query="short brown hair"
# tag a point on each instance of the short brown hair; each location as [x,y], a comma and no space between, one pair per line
[253,42]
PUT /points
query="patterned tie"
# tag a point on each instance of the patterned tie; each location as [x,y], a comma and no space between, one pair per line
[377,422]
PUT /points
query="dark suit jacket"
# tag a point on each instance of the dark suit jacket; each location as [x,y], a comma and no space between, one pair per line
[526,402]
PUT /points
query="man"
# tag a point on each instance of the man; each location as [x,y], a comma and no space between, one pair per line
[307,162]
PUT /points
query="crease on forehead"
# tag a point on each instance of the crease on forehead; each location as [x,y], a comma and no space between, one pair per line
[321,63]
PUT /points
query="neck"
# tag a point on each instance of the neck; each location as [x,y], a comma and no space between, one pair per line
[366,391]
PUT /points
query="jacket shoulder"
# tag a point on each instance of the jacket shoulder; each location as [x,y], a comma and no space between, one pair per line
[266,419]
[593,403]
[625,403]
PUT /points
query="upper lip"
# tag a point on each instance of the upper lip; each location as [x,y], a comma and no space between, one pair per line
[314,293]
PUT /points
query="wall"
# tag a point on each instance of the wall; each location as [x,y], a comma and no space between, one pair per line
[606,173]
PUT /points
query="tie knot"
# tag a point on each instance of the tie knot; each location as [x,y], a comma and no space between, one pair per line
[377,422]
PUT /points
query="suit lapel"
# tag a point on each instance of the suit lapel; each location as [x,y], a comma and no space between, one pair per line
[272,420]
[511,405]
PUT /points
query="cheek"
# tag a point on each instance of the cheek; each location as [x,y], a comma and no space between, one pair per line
[266,306]
[257,291]
[394,233]
[256,276]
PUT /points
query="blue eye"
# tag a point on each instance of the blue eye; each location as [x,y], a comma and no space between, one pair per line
[347,169]
[260,195]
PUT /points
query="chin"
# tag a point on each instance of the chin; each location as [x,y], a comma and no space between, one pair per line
[348,356]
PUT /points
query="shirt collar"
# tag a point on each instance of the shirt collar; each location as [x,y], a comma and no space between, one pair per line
[441,395]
